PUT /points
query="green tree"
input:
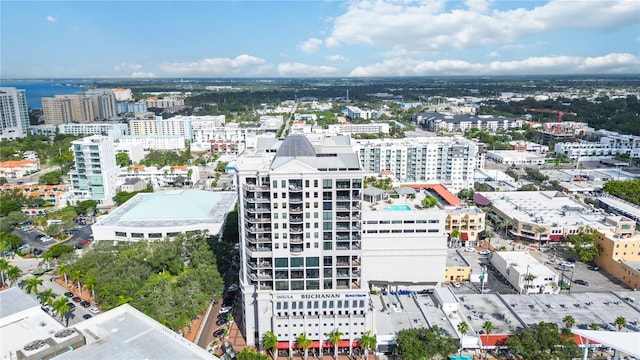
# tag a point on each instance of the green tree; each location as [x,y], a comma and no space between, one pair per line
[31,285]
[620,322]
[487,326]
[4,267]
[488,234]
[13,273]
[335,337]
[415,344]
[51,178]
[251,354]
[270,343]
[568,321]
[76,276]
[542,341]
[64,270]
[303,344]
[123,159]
[46,297]
[58,250]
[429,202]
[60,307]
[463,328]
[594,326]
[90,284]
[367,342]
[9,206]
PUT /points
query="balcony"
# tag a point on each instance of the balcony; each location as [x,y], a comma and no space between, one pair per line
[257,199]
[254,187]
[295,188]
[296,229]
[295,200]
[258,229]
[296,240]
[258,251]
[252,239]
[260,277]
[259,210]
[295,219]
[343,246]
[260,265]
[296,249]
[258,220]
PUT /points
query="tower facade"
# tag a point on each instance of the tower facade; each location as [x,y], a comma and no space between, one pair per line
[14,115]
[299,219]
[94,177]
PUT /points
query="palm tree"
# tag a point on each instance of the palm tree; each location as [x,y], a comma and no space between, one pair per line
[4,266]
[63,269]
[540,230]
[569,321]
[251,354]
[335,336]
[463,328]
[60,307]
[487,326]
[488,234]
[455,236]
[13,273]
[31,285]
[367,342]
[46,297]
[270,343]
[620,322]
[303,344]
[594,326]
[506,224]
[90,284]
[76,275]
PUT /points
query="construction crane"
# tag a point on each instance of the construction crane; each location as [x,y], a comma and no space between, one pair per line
[549,111]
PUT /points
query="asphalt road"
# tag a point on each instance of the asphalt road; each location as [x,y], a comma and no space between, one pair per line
[29,237]
[33,178]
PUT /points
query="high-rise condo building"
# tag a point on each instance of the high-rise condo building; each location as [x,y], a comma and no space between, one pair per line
[94,177]
[14,116]
[306,265]
[64,109]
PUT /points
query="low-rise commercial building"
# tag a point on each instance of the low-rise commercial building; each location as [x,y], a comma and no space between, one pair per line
[515,157]
[14,169]
[620,255]
[159,177]
[526,274]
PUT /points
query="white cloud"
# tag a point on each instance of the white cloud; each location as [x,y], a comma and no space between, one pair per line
[51,19]
[304,70]
[414,26]
[141,74]
[127,66]
[493,54]
[336,57]
[611,63]
[240,65]
[310,46]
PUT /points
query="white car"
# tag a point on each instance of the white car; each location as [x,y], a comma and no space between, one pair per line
[94,310]
[567,264]
[455,284]
[484,252]
[233,287]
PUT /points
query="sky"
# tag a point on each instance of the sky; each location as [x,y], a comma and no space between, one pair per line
[302,38]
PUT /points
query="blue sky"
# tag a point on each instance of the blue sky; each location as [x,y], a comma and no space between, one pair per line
[317,38]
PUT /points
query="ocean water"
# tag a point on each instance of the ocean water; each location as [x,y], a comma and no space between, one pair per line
[37,89]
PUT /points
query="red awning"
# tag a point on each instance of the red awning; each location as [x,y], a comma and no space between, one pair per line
[283,345]
[555,237]
[464,236]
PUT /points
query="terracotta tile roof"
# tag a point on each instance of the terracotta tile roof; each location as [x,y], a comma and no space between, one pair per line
[442,191]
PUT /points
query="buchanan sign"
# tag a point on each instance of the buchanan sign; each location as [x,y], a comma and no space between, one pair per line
[318,296]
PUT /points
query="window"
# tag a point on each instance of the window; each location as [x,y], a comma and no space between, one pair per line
[327,183]
[283,184]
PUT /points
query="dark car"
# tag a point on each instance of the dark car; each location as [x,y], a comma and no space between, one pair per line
[581,282]
[76,299]
[72,306]
[37,252]
[85,303]
[68,294]
[571,260]
[79,246]
[594,268]
[87,316]
[218,332]
[222,321]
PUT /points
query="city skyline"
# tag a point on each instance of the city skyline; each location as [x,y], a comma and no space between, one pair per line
[149,39]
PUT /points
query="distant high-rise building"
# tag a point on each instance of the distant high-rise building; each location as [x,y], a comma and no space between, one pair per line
[104,103]
[14,116]
[64,109]
[94,177]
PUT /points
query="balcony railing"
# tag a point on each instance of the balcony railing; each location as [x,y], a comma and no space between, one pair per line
[258,230]
[295,210]
[256,240]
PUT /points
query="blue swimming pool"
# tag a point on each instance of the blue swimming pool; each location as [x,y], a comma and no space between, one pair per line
[398,208]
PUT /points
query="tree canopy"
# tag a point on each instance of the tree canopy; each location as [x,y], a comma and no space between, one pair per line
[626,190]
[544,342]
[415,344]
[584,244]
[171,281]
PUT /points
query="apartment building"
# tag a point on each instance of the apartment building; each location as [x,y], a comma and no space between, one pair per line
[156,142]
[130,107]
[312,248]
[104,102]
[447,160]
[122,94]
[460,123]
[14,115]
[63,109]
[300,234]
[469,221]
[94,176]
[351,129]
[620,255]
[164,102]
[173,126]
[354,112]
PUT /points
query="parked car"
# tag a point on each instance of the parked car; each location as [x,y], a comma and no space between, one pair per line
[85,303]
[72,306]
[225,309]
[68,294]
[222,321]
[76,299]
[232,288]
[581,282]
[568,264]
[218,332]
[594,268]
[87,316]
[455,284]
[571,260]
[94,310]
[484,252]
[37,252]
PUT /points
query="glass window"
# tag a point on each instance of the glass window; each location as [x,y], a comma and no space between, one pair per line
[313,261]
[282,262]
[327,183]
[297,262]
